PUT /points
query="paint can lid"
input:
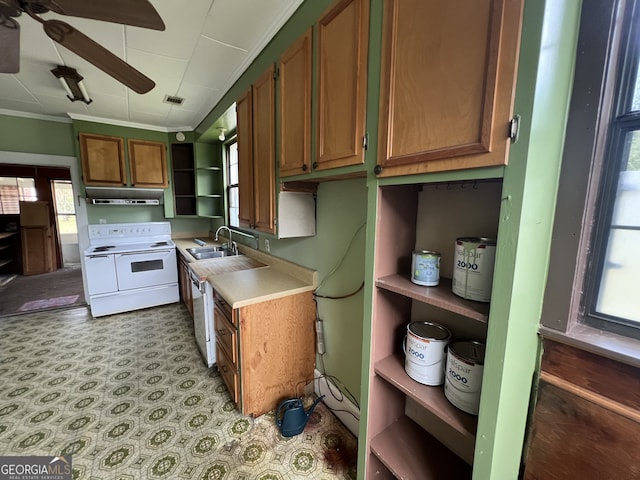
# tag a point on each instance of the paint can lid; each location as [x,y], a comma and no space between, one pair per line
[429,330]
[470,351]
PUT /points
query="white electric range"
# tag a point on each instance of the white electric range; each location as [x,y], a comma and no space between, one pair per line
[129,266]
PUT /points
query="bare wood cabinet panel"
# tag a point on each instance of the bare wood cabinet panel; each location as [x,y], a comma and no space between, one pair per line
[36,250]
[270,355]
[294,78]
[447,84]
[264,167]
[592,405]
[148,163]
[343,37]
[244,131]
[102,159]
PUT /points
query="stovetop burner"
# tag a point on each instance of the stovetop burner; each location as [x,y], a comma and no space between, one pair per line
[103,248]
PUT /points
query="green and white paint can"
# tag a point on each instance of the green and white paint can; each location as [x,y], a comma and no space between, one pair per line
[425,268]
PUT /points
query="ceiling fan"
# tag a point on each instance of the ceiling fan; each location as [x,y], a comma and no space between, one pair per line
[139,13]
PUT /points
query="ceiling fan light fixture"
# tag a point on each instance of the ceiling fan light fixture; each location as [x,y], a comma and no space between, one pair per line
[72,83]
[222,131]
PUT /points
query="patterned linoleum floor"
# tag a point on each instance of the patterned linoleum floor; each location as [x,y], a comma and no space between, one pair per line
[128,397]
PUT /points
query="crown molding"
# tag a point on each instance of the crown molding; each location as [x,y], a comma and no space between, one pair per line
[124,123]
[35,116]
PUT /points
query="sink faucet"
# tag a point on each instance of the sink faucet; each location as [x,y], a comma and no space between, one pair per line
[232,246]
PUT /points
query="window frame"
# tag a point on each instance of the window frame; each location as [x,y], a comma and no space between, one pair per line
[571,268]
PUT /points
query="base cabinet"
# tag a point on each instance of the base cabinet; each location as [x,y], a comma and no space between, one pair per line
[265,351]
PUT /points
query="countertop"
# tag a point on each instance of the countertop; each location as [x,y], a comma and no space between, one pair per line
[251,277]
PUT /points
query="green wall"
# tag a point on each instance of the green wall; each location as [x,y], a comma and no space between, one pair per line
[31,135]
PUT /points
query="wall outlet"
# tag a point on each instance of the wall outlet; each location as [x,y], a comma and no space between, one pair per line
[267,247]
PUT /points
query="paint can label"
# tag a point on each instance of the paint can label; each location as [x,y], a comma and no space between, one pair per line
[463,375]
[425,268]
[473,266]
[424,348]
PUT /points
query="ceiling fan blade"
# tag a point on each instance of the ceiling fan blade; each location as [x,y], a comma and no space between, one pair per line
[83,46]
[139,13]
[9,46]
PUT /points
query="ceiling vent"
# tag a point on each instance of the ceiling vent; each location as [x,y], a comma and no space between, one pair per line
[173,100]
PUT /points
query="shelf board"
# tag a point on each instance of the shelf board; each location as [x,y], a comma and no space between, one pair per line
[432,399]
[211,216]
[183,170]
[210,168]
[440,296]
[4,262]
[213,195]
[410,452]
[2,247]
[4,235]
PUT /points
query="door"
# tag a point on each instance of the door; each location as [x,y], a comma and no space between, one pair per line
[102,160]
[148,163]
[244,131]
[146,269]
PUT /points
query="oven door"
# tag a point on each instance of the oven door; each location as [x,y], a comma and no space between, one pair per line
[146,269]
[100,270]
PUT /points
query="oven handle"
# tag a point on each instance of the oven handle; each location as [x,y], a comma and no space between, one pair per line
[99,256]
[144,252]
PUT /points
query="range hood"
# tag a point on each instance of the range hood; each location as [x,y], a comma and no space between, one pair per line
[124,196]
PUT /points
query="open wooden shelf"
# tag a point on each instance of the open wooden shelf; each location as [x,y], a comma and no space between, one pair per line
[440,296]
[4,262]
[462,425]
[408,451]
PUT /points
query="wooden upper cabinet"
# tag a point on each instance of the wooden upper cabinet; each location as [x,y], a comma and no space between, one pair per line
[264,167]
[294,79]
[255,111]
[148,163]
[244,131]
[343,38]
[102,159]
[447,84]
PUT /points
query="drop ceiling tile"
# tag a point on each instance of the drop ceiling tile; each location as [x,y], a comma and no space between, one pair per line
[18,106]
[183,25]
[243,23]
[61,105]
[212,64]
[12,89]
[38,79]
[108,106]
[147,118]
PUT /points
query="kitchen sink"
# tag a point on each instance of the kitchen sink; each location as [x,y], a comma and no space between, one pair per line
[201,253]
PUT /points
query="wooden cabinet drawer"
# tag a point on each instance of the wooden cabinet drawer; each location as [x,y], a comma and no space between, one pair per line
[226,335]
[225,308]
[229,374]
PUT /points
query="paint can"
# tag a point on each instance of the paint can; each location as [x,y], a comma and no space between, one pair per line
[424,348]
[473,264]
[463,378]
[425,268]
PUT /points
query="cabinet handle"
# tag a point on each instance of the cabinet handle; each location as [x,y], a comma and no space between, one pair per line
[315,165]
[377,169]
[305,167]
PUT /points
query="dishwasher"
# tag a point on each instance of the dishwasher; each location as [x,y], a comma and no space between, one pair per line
[202,293]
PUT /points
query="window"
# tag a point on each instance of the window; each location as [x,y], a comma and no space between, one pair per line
[65,207]
[611,298]
[13,190]
[232,187]
[593,266]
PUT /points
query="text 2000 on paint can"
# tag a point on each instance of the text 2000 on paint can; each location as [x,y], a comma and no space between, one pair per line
[473,265]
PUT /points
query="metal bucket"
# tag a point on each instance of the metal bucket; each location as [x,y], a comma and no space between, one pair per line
[463,380]
[473,268]
[424,347]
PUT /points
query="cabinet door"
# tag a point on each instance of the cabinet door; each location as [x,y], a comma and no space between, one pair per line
[264,183]
[448,82]
[343,36]
[148,163]
[294,79]
[244,131]
[102,160]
